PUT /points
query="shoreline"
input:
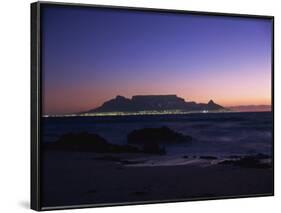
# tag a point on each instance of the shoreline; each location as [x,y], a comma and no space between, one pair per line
[86,179]
[147,114]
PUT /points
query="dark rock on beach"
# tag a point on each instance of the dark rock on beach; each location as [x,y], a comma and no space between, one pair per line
[251,161]
[163,135]
[88,142]
[208,157]
[262,156]
[152,140]
[153,148]
[118,160]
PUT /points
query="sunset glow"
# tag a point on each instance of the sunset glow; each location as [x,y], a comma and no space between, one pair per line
[91,55]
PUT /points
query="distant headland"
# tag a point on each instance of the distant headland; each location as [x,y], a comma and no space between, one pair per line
[157,103]
[160,105]
[150,105]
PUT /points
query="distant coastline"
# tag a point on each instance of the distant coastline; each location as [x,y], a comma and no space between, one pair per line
[158,105]
[249,108]
[144,113]
[100,114]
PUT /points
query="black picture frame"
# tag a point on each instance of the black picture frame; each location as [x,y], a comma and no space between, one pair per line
[36,91]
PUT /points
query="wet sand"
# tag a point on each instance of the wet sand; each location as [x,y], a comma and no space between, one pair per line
[71,178]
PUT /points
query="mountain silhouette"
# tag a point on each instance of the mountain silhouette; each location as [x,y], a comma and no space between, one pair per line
[154,103]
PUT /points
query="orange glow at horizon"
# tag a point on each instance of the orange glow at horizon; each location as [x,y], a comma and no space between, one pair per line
[223,90]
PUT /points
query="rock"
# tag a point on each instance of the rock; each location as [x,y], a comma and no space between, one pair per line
[208,157]
[88,142]
[118,160]
[251,161]
[262,156]
[162,135]
[151,139]
[153,148]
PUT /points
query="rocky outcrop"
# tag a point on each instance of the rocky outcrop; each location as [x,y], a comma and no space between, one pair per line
[163,135]
[251,161]
[87,142]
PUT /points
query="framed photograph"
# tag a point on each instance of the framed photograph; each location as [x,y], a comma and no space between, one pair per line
[140,105]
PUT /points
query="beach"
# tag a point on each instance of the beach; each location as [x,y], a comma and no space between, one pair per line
[80,178]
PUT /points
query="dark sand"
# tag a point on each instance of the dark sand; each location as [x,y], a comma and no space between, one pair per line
[80,178]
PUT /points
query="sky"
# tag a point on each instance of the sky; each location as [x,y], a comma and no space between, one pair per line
[90,55]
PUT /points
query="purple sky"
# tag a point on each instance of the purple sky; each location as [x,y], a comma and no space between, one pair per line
[90,55]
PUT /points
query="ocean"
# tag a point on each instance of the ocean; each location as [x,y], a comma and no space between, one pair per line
[214,134]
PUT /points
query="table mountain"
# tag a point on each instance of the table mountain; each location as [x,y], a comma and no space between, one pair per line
[154,103]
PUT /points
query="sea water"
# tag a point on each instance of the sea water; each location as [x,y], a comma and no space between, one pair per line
[214,134]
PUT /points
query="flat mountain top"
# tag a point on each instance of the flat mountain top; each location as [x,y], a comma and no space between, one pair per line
[154,103]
